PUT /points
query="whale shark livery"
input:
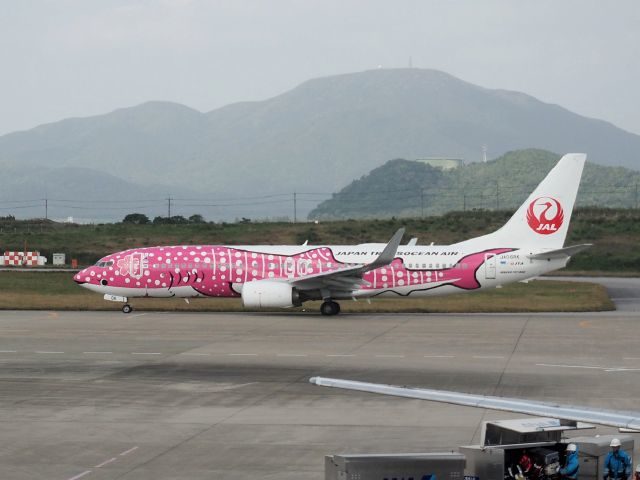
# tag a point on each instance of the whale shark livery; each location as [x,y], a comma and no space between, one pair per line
[530,244]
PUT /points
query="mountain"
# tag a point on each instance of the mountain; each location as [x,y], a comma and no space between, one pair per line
[82,193]
[315,138]
[405,188]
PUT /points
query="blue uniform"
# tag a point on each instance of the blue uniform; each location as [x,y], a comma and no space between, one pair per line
[617,465]
[571,466]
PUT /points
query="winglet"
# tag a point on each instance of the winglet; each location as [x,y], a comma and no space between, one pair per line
[389,252]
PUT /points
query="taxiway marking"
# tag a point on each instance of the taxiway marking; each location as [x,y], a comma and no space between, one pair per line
[556,365]
[590,367]
[86,472]
[127,452]
[106,462]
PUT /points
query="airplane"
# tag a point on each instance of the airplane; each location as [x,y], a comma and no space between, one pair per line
[530,244]
[628,422]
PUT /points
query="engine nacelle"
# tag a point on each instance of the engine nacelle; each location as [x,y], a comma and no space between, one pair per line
[269,294]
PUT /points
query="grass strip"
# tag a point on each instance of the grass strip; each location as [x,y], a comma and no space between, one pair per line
[58,291]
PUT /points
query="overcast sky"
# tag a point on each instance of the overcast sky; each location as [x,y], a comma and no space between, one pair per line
[64,58]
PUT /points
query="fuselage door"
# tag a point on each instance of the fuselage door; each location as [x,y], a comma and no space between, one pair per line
[290,267]
[489,266]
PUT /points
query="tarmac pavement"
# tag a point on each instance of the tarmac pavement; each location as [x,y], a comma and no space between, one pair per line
[103,395]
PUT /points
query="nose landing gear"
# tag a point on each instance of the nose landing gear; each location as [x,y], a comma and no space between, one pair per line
[329,307]
[127,308]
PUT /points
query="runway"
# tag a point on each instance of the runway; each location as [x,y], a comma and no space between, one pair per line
[203,396]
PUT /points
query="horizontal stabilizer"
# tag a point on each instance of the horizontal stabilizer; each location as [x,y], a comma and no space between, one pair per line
[628,420]
[560,252]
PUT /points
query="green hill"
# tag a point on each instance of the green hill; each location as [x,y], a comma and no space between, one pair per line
[405,188]
[615,235]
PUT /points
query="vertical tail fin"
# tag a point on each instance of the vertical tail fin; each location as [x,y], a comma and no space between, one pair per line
[543,219]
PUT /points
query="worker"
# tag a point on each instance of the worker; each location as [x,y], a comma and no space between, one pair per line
[526,464]
[617,465]
[571,464]
[637,476]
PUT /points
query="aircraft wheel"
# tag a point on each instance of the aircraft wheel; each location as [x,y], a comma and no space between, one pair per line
[127,308]
[329,308]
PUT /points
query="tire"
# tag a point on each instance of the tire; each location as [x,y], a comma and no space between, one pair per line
[329,308]
[127,308]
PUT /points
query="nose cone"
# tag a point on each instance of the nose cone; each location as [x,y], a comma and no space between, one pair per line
[87,277]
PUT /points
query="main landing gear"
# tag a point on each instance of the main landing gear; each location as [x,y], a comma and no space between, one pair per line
[329,307]
[127,308]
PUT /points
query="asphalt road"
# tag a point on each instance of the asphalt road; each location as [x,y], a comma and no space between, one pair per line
[211,396]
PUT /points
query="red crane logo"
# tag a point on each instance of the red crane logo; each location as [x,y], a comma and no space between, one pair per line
[545,215]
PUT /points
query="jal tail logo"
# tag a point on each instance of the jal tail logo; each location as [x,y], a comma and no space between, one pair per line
[545,215]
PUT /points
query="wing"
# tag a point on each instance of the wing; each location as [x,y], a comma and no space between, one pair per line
[350,278]
[624,420]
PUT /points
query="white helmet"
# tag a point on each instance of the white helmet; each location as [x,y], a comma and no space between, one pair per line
[571,447]
[615,442]
[638,468]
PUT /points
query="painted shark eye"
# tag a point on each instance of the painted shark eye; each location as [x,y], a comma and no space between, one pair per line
[104,282]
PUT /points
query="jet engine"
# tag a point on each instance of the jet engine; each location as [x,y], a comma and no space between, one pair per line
[268,293]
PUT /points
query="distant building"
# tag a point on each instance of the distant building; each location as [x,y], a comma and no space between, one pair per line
[442,163]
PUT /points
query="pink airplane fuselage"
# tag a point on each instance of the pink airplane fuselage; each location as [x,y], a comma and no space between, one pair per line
[220,271]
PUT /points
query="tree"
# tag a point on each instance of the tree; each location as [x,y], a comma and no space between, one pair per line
[197,218]
[136,219]
[174,220]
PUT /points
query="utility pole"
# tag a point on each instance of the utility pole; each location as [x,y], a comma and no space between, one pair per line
[497,195]
[464,202]
[46,206]
[169,206]
[636,195]
[422,202]
[295,207]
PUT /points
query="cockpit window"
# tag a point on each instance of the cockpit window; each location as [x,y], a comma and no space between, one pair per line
[104,264]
